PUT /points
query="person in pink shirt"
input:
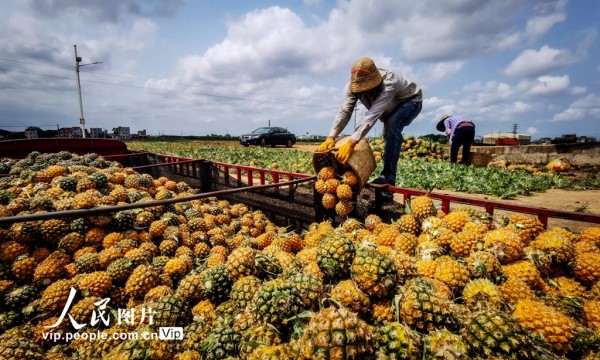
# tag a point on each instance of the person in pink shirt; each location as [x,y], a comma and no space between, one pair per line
[460,132]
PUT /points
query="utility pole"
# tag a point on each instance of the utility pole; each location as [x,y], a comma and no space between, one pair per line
[77,66]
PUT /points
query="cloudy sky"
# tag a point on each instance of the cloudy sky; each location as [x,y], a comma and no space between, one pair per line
[216,67]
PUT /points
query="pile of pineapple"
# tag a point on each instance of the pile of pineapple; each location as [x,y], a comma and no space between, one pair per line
[428,285]
[338,190]
[412,149]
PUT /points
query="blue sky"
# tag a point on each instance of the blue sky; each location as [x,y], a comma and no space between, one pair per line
[207,67]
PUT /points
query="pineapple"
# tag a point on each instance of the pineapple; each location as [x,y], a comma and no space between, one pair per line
[97,283]
[171,310]
[559,247]
[276,301]
[464,242]
[481,293]
[586,267]
[553,327]
[260,338]
[484,264]
[350,178]
[423,310]
[310,288]
[505,244]
[405,265]
[515,289]
[216,284]
[443,344]
[451,272]
[329,201]
[422,207]
[526,226]
[51,268]
[334,255]
[526,271]
[53,230]
[23,268]
[456,220]
[397,341]
[223,341]
[243,290]
[336,333]
[407,223]
[326,173]
[371,222]
[344,192]
[494,333]
[142,279]
[350,296]
[374,273]
[590,234]
[406,242]
[343,207]
[156,293]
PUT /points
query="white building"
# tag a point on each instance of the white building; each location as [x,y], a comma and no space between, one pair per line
[31,134]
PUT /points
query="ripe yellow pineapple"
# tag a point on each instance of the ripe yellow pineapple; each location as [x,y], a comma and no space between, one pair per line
[481,293]
[453,273]
[349,177]
[326,173]
[526,226]
[344,192]
[329,201]
[422,207]
[456,219]
[344,207]
[407,223]
[526,271]
[350,296]
[590,234]
[586,267]
[514,289]
[505,244]
[553,327]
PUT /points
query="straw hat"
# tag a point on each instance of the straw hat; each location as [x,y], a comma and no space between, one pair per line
[440,125]
[364,76]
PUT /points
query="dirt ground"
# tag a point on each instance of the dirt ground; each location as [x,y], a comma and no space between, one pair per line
[555,199]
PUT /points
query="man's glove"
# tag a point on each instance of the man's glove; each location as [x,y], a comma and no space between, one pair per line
[345,151]
[327,145]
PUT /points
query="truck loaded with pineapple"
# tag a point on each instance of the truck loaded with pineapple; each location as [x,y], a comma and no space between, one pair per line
[429,285]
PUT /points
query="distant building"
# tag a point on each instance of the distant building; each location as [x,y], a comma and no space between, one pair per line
[586,139]
[490,139]
[569,137]
[141,132]
[31,134]
[97,133]
[545,140]
[123,132]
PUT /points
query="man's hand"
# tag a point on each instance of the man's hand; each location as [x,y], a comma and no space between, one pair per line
[327,145]
[345,151]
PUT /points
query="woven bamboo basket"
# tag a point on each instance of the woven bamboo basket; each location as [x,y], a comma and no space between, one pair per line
[362,160]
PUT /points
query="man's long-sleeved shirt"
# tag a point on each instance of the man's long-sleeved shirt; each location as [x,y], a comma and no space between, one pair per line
[396,90]
[452,122]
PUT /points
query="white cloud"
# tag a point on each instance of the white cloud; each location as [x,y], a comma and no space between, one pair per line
[587,107]
[532,63]
[549,85]
[531,130]
[546,15]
